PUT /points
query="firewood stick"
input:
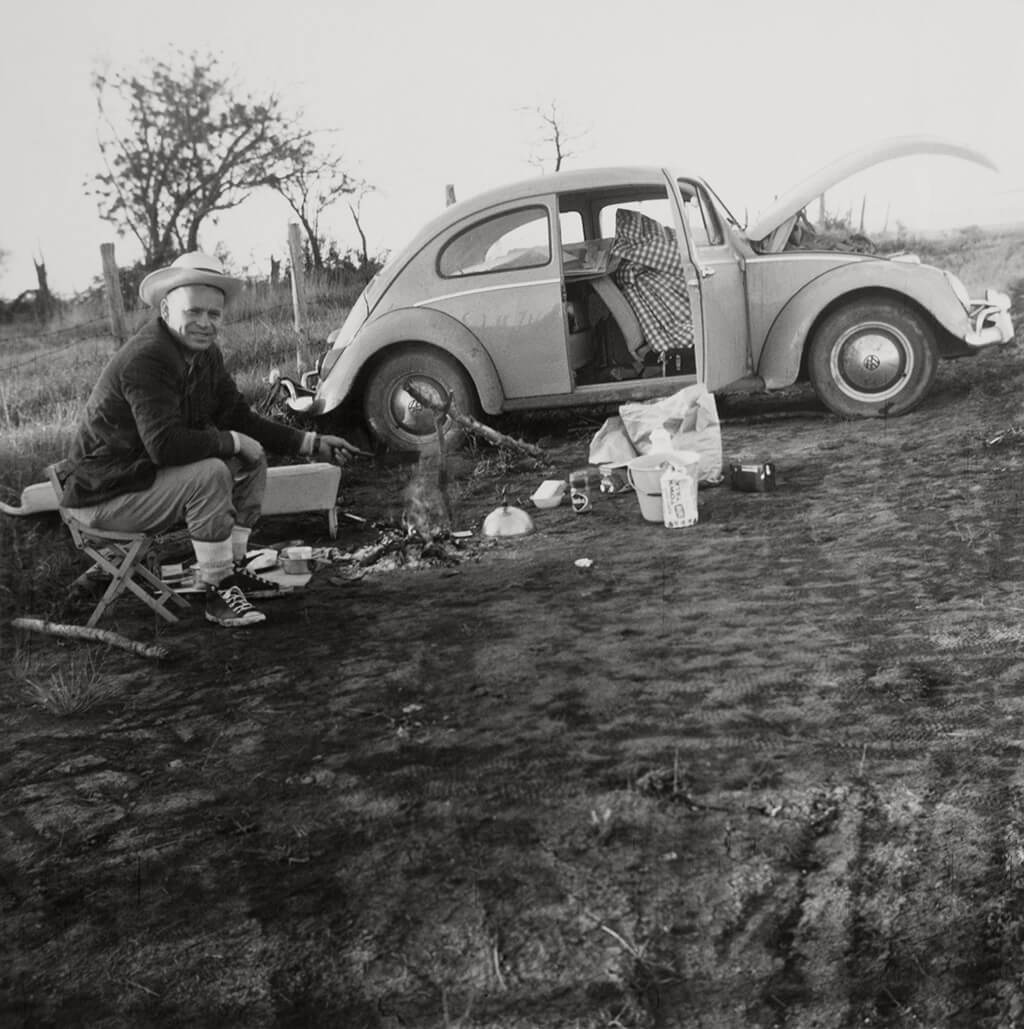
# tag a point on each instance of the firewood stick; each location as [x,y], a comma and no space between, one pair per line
[499,439]
[373,555]
[82,632]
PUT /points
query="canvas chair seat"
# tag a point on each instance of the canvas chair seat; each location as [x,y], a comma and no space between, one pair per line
[122,555]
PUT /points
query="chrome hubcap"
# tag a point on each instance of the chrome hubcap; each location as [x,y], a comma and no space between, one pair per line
[409,414]
[875,359]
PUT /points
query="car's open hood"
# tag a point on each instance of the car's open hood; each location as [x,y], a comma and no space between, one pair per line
[791,203]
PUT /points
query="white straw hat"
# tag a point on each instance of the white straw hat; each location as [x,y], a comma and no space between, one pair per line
[194,269]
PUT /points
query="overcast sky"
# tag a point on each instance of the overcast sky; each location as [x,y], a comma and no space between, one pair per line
[752,95]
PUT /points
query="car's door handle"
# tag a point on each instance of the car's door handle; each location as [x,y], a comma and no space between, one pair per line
[706,272]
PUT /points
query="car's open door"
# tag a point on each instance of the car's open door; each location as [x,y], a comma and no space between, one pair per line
[715,279]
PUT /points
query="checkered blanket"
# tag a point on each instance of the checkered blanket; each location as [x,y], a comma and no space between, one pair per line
[652,277]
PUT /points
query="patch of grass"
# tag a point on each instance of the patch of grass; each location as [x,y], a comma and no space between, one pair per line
[65,689]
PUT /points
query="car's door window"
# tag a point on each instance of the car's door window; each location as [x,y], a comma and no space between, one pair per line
[700,218]
[515,239]
[570,224]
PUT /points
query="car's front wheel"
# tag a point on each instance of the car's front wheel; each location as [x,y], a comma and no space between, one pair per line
[399,421]
[871,358]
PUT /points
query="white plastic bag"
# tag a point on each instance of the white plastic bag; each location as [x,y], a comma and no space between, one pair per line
[611,444]
[691,419]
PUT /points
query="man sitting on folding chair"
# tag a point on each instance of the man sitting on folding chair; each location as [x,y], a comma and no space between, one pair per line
[166,438]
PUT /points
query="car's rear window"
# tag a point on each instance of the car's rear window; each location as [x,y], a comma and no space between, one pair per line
[515,239]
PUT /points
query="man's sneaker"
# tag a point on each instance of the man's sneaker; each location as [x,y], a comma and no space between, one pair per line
[226,605]
[253,585]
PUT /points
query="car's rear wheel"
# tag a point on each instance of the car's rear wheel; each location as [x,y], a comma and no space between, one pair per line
[871,358]
[402,423]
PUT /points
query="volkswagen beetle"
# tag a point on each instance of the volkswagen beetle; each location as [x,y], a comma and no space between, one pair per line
[600,286]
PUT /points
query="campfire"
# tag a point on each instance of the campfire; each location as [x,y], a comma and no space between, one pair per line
[423,536]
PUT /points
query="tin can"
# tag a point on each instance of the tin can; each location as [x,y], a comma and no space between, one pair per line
[752,478]
[579,490]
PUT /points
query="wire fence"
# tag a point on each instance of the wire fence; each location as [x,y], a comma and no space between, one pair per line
[72,331]
[64,330]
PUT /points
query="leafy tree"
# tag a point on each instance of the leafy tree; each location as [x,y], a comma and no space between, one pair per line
[180,144]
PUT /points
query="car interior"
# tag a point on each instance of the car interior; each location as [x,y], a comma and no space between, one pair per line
[604,318]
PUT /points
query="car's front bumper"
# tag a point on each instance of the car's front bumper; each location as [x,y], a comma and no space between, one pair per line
[990,320]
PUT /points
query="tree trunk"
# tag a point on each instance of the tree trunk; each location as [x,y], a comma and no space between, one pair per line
[364,252]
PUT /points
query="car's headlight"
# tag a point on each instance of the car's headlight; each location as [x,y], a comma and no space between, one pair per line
[959,290]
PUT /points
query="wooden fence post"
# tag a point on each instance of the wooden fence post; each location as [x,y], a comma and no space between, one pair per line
[115,302]
[44,299]
[298,296]
[449,194]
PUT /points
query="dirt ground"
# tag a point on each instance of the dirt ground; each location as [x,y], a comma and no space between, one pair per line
[766,771]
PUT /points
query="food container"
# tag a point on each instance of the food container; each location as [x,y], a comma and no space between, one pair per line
[752,478]
[297,560]
[579,490]
[549,493]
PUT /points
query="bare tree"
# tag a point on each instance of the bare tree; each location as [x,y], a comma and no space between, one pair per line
[554,135]
[311,184]
[356,209]
[179,145]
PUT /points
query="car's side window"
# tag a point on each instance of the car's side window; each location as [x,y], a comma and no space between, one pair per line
[657,208]
[516,239]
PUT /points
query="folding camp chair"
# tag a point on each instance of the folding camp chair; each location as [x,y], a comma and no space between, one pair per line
[122,555]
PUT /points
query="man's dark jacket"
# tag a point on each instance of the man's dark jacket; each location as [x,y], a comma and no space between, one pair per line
[157,404]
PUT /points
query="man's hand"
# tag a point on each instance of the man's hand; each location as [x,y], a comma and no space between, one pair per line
[250,451]
[336,449]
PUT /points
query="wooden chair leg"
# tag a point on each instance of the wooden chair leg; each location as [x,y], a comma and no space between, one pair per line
[119,575]
[123,576]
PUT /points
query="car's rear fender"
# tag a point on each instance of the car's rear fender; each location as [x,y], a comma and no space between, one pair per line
[781,360]
[410,325]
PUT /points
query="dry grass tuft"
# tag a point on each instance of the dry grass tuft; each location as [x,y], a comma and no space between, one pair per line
[65,690]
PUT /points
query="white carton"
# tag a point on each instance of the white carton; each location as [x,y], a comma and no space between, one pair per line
[679,498]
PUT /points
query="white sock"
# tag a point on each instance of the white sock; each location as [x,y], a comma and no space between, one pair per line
[239,542]
[213,560]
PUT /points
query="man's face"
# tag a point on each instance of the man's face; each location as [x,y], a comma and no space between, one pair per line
[193,314]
